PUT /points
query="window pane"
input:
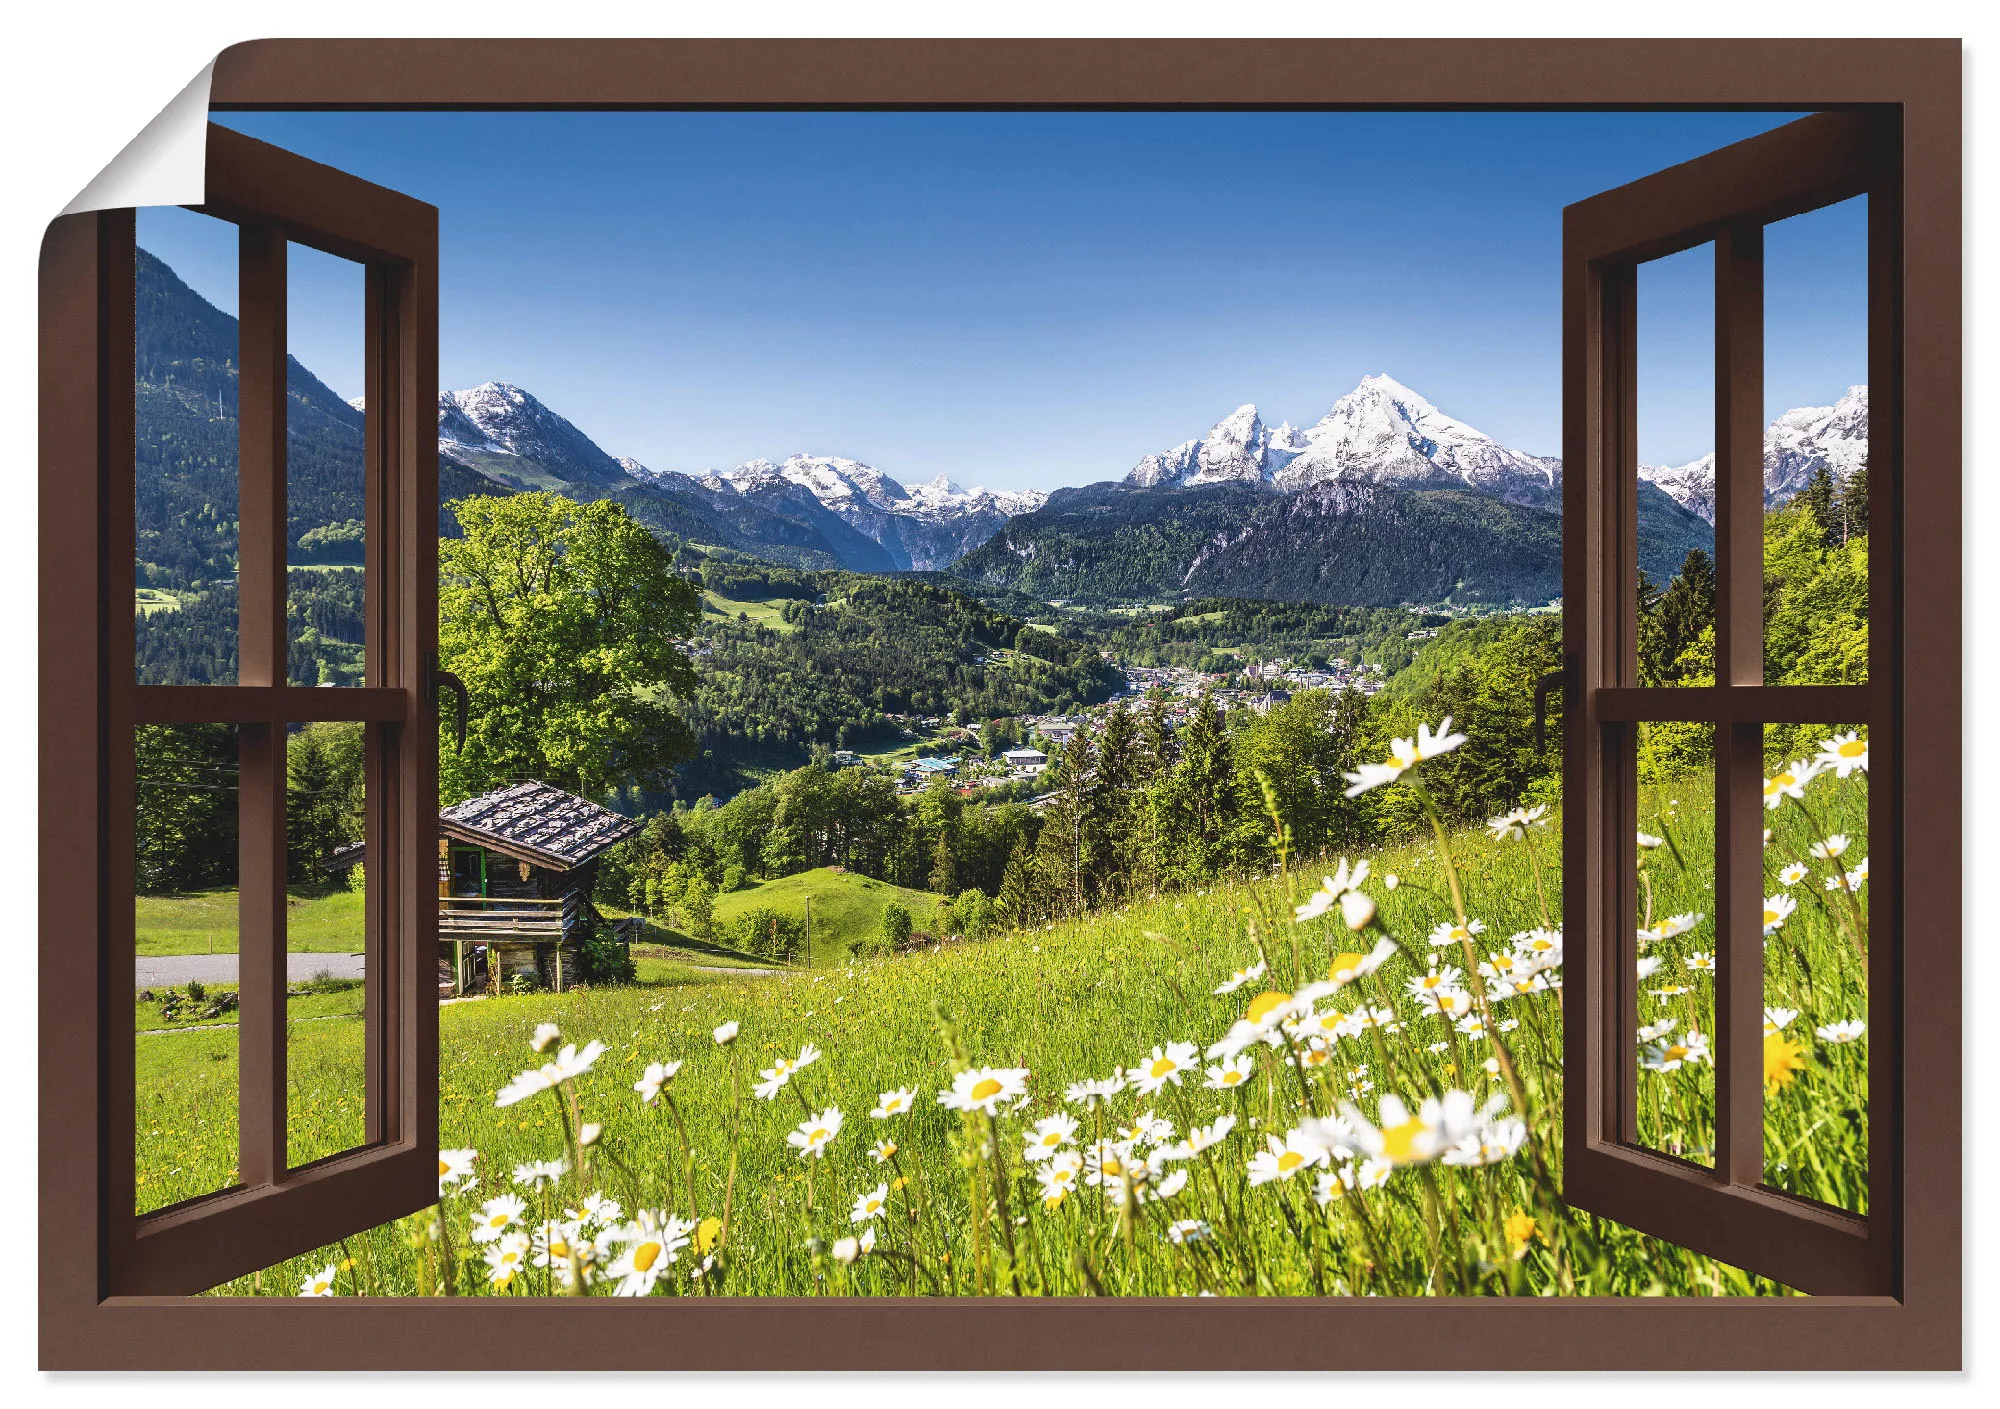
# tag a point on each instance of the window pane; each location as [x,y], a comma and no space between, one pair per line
[1816,963]
[184,392]
[1816,447]
[325,940]
[1676,940]
[185,872]
[327,529]
[1675,499]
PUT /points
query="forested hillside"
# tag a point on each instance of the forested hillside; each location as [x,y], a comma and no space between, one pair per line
[842,652]
[1206,634]
[1337,544]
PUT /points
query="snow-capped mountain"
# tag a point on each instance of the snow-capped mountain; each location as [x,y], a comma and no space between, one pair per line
[1692,486]
[1379,433]
[1796,445]
[824,505]
[502,431]
[922,528]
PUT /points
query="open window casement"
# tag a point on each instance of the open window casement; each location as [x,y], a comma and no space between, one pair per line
[1726,1208]
[277,1207]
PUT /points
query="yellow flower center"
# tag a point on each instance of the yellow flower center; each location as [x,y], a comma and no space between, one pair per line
[1231,1078]
[1771,917]
[1113,1168]
[1675,1052]
[986,1089]
[1853,748]
[645,1256]
[818,1133]
[443,1169]
[498,1220]
[1289,1161]
[1264,1003]
[1399,1142]
[1162,1066]
[1345,965]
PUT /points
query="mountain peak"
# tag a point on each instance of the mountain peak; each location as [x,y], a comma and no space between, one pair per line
[1380,432]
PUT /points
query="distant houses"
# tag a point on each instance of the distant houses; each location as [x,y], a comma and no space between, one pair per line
[1025,762]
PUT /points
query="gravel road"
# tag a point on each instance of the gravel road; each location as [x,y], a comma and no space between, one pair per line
[173,970]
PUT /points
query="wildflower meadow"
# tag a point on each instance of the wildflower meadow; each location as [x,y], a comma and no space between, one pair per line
[1331,1080]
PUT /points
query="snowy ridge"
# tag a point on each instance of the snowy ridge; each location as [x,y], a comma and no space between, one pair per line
[1379,433]
[849,487]
[1796,445]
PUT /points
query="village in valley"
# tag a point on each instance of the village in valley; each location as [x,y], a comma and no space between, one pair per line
[959,752]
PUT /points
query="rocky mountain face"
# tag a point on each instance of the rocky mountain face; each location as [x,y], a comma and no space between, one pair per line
[1379,433]
[921,528]
[815,510]
[1796,445]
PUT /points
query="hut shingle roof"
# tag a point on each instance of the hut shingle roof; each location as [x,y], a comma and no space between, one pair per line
[537,823]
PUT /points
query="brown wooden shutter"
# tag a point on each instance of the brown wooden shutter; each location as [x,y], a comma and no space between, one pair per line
[1727,198]
[273,1212]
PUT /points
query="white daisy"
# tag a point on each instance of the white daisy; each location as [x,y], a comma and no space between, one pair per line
[320,1283]
[781,1071]
[1777,908]
[1163,1067]
[1792,873]
[1283,1158]
[1840,1032]
[536,1173]
[654,1080]
[1090,1093]
[1514,825]
[454,1165]
[726,1034]
[1831,848]
[647,1247]
[1674,1053]
[496,1216]
[1231,1073]
[1790,781]
[1449,933]
[1242,976]
[984,1088]
[870,1205]
[897,1102]
[815,1134]
[1843,753]
[1048,1135]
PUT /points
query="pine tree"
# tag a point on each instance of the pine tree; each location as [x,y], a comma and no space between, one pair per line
[1817,497]
[1016,902]
[1853,505]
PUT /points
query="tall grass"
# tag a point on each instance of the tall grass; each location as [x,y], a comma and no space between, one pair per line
[1322,1186]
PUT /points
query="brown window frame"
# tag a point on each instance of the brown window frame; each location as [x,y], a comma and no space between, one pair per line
[1725,199]
[275,1211]
[1913,1322]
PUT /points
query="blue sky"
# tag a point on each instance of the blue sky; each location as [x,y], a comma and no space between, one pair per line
[1031,299]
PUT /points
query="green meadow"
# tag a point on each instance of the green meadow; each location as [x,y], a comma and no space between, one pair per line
[1079,1001]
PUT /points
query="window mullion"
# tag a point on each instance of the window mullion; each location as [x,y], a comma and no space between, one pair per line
[1739,662]
[262,651]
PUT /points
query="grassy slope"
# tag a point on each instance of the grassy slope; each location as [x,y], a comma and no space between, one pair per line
[1069,1001]
[205,923]
[845,906]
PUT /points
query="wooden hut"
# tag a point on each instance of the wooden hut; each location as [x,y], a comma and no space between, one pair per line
[515,870]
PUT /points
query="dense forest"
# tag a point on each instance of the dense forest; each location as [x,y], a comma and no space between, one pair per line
[1336,542]
[1198,634]
[191,638]
[847,651]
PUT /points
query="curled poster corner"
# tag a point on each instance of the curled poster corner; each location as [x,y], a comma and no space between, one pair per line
[164,164]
